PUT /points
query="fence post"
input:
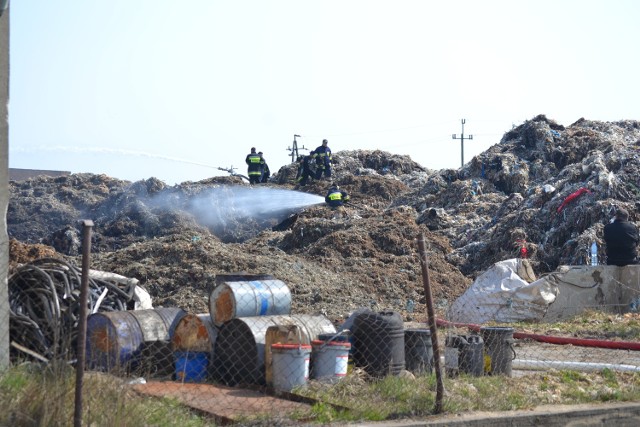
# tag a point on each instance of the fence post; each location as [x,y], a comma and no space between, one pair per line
[4,186]
[82,322]
[424,262]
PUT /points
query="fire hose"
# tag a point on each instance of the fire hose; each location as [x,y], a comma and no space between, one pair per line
[44,306]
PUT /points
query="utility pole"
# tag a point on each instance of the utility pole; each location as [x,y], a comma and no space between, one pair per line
[462,143]
[294,149]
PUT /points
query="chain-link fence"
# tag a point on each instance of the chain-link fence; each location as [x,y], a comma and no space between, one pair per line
[250,358]
[578,317]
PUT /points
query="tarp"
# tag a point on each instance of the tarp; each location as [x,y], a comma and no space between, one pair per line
[503,294]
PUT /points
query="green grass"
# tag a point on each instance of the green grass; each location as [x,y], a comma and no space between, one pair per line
[394,397]
[37,395]
[589,324]
[31,394]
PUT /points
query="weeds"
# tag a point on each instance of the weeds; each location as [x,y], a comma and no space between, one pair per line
[32,394]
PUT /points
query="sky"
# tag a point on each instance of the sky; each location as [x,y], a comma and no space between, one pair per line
[136,89]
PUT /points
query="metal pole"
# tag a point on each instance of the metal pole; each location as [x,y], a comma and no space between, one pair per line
[424,262]
[82,323]
[454,136]
[462,145]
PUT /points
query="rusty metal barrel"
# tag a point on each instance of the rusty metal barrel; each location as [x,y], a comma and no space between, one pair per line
[132,340]
[243,295]
[193,341]
[194,332]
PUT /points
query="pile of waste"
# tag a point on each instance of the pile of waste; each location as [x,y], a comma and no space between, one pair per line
[543,193]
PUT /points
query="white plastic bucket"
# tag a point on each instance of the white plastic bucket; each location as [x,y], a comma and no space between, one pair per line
[330,360]
[290,365]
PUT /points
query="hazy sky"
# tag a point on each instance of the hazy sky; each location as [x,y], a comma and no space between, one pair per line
[173,90]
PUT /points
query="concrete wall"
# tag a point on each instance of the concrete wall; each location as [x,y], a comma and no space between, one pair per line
[4,186]
[603,288]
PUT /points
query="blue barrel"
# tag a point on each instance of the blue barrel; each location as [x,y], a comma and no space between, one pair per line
[191,367]
[236,296]
[133,340]
[418,351]
[378,343]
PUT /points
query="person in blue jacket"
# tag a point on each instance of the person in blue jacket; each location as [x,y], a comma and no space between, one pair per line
[336,197]
[323,160]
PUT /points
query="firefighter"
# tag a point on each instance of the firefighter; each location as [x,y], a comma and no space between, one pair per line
[336,197]
[323,160]
[266,173]
[255,164]
[305,169]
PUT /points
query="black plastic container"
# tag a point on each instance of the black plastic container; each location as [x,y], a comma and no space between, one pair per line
[418,351]
[378,343]
[464,353]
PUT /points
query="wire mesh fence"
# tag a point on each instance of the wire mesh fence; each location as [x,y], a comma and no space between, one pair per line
[251,359]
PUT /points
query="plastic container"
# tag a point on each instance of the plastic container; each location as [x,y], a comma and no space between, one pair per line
[290,365]
[464,354]
[378,341]
[191,366]
[279,334]
[342,336]
[594,253]
[418,351]
[499,348]
[329,360]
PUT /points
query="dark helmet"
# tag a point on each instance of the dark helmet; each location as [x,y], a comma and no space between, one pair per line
[324,141]
[312,152]
[260,152]
[253,149]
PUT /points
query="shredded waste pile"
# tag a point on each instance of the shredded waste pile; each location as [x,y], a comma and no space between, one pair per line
[543,192]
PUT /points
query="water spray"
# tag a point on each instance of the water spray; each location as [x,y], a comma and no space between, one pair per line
[227,209]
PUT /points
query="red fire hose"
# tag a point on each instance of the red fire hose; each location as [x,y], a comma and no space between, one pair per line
[582,342]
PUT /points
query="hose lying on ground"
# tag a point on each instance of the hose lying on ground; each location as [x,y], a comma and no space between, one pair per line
[44,305]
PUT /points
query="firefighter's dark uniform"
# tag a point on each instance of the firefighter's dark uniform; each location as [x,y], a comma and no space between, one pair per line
[323,160]
[305,169]
[336,197]
[255,164]
[266,173]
